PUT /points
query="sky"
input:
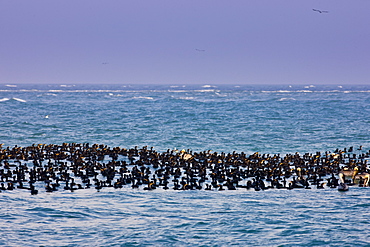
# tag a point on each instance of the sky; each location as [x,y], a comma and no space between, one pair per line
[184,42]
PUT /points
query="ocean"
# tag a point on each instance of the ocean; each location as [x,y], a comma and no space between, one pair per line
[263,119]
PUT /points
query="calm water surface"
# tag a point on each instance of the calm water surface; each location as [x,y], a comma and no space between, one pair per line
[168,218]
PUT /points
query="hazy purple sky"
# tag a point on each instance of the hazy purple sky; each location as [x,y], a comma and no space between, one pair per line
[185,41]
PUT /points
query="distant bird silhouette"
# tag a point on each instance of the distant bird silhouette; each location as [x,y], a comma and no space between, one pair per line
[199,50]
[105,63]
[320,11]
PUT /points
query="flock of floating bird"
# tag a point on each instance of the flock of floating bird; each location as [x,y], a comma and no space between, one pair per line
[73,166]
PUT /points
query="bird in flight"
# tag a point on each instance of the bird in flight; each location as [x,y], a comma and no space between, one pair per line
[199,50]
[320,11]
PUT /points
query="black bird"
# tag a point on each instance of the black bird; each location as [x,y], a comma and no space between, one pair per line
[320,11]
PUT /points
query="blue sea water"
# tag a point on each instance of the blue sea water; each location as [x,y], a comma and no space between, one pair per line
[276,119]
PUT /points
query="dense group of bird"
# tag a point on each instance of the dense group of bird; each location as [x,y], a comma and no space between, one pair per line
[73,166]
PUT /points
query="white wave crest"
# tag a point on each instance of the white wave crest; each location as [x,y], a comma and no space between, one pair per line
[284,99]
[304,91]
[18,99]
[205,90]
[143,97]
[186,98]
[63,85]
[310,86]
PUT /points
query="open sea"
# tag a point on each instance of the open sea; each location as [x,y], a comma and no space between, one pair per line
[276,119]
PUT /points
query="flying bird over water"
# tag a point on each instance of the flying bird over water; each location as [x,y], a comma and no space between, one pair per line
[320,11]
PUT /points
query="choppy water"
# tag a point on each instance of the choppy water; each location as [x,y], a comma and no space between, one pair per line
[265,119]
